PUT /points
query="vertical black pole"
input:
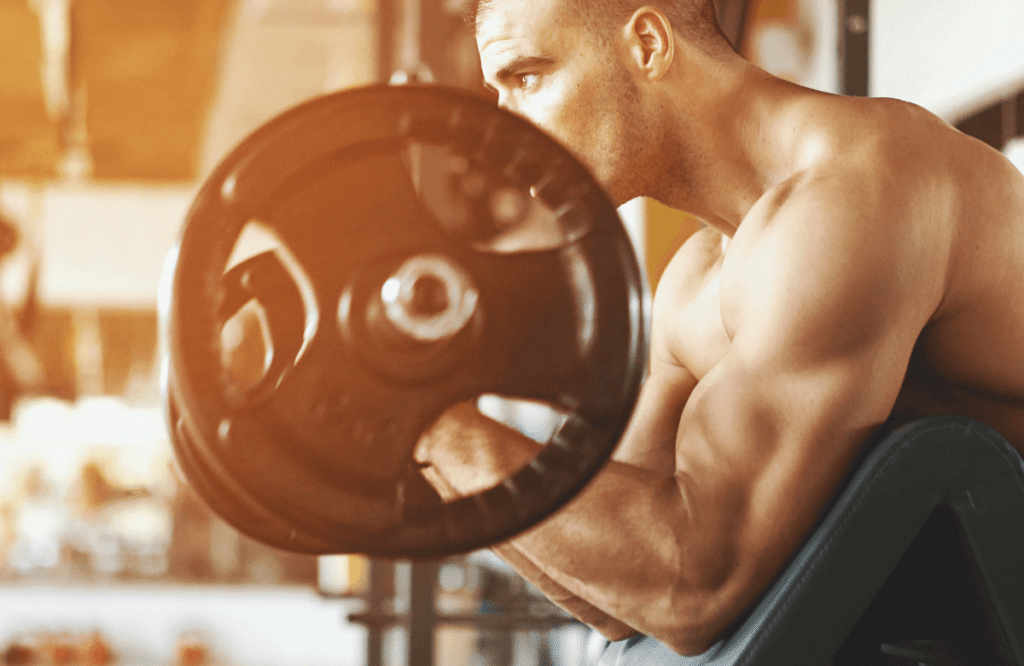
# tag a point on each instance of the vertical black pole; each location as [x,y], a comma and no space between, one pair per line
[1009,120]
[1019,107]
[422,614]
[732,18]
[435,31]
[380,590]
[387,18]
[854,46]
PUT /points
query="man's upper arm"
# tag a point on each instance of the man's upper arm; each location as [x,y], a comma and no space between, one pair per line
[825,306]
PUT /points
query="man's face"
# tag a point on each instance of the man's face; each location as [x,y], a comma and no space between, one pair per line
[560,77]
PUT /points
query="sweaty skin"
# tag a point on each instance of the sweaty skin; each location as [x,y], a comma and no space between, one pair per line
[861,260]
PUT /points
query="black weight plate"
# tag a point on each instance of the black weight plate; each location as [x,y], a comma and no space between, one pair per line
[351,185]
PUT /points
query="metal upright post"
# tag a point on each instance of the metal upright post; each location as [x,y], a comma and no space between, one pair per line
[379,594]
[422,614]
[387,20]
[1010,115]
[732,18]
[854,46]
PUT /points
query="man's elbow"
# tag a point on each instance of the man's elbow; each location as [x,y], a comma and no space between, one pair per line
[692,636]
[697,619]
[687,641]
[613,631]
[687,632]
[691,643]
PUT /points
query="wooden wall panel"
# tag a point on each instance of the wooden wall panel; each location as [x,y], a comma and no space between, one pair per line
[149,71]
[29,140]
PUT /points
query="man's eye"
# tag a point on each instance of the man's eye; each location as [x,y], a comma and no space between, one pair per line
[528,81]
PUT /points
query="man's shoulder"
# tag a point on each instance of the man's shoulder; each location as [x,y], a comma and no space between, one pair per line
[859,219]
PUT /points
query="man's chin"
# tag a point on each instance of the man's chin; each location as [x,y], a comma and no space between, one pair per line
[618,191]
[618,194]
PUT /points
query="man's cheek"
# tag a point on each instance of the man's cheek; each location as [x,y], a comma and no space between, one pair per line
[549,125]
[546,112]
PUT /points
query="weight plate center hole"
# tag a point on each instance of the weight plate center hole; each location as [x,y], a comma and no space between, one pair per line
[429,298]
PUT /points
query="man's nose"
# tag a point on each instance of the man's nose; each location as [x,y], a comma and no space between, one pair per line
[508,103]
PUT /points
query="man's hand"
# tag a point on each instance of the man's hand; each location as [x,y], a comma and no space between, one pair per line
[465,452]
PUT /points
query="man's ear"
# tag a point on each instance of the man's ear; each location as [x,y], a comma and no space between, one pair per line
[651,41]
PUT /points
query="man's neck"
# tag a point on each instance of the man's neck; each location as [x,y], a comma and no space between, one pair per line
[732,138]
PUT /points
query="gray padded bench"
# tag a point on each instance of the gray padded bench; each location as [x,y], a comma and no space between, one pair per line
[918,560]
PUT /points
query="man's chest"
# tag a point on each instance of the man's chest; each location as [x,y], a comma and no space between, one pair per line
[692,329]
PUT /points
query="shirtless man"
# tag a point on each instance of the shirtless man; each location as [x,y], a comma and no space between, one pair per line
[861,259]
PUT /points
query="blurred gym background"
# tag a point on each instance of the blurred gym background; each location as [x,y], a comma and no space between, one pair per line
[111,113]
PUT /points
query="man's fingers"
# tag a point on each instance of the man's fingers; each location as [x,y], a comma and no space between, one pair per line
[465,452]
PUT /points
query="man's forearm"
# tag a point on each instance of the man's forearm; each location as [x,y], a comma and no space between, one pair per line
[619,558]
